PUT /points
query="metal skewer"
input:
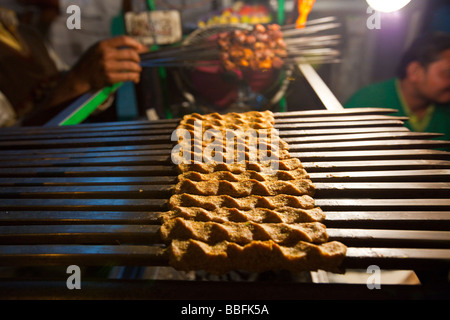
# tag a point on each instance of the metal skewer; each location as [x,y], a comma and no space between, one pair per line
[310,23]
[310,30]
[299,44]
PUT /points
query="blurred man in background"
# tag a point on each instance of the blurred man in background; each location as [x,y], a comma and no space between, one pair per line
[421,90]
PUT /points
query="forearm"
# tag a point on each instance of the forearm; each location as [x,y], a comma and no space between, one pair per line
[69,87]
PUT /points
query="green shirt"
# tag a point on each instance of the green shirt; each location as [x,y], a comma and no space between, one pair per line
[387,95]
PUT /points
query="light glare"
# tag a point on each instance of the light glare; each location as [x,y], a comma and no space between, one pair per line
[387,5]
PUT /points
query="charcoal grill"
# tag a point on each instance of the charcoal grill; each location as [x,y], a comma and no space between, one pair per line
[91,195]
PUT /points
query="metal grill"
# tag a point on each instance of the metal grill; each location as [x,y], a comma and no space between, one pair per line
[91,195]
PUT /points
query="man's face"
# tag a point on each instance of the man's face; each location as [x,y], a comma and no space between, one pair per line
[434,81]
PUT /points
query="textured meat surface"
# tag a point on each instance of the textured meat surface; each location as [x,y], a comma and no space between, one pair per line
[243,232]
[257,256]
[219,141]
[256,214]
[241,167]
[259,215]
[246,187]
[267,160]
[245,203]
[282,175]
[251,117]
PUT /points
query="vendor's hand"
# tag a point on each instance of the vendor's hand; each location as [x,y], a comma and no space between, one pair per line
[110,61]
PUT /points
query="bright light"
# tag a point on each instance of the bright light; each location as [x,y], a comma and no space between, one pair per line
[387,5]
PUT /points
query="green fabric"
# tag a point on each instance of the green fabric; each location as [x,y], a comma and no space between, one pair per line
[386,95]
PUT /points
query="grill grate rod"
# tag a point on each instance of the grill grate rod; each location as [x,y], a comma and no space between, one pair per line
[140,255]
[323,189]
[396,219]
[149,235]
[88,178]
